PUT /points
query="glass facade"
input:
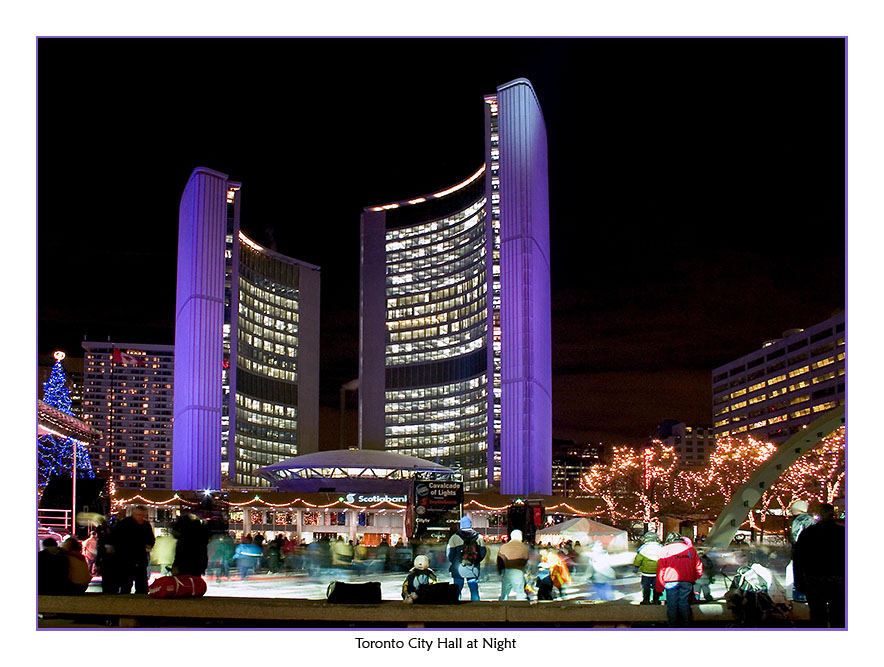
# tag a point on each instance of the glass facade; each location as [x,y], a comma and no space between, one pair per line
[494,201]
[455,362]
[246,345]
[266,399]
[436,389]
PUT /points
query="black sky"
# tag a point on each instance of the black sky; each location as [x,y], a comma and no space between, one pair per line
[696,190]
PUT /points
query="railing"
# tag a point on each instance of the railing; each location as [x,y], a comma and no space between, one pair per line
[54,521]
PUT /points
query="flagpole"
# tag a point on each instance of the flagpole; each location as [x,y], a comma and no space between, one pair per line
[74,489]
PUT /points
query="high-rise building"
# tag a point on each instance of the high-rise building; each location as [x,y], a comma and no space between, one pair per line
[455,313]
[693,445]
[773,392]
[570,463]
[127,397]
[246,345]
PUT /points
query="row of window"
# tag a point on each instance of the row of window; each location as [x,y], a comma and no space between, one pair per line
[821,407]
[444,247]
[763,372]
[438,276]
[429,232]
[437,295]
[426,351]
[268,365]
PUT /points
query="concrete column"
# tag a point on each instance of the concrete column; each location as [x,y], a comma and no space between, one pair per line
[299,523]
[353,523]
[246,520]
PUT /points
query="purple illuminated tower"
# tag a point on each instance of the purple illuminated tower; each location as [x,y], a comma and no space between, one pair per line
[246,346]
[455,313]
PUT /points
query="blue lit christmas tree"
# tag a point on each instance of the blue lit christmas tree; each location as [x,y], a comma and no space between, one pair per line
[54,453]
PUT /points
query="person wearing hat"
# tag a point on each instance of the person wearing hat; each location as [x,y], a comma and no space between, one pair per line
[418,576]
[512,558]
[466,550]
[678,567]
[646,563]
[800,520]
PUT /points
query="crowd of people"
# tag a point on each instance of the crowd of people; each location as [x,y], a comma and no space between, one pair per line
[673,570]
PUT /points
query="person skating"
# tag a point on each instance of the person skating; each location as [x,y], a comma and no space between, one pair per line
[132,540]
[646,563]
[512,558]
[678,567]
[466,550]
[801,519]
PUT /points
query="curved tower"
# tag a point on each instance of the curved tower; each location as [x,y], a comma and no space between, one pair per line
[455,313]
[246,345]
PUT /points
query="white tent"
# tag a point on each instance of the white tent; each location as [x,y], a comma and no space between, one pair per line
[586,531]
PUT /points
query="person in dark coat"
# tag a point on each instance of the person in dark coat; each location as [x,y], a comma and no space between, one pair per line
[52,569]
[132,540]
[192,546]
[820,566]
[106,559]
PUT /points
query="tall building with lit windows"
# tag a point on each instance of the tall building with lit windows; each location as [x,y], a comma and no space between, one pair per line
[455,313]
[127,397]
[773,392]
[246,345]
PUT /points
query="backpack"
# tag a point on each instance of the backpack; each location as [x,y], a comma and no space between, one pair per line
[469,554]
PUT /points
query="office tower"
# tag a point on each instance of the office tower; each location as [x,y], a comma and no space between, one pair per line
[773,392]
[693,445]
[455,313]
[246,345]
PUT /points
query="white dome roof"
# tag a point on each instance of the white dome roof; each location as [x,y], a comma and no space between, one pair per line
[356,458]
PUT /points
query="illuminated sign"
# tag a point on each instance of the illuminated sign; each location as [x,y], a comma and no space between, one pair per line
[374,498]
[435,507]
[59,355]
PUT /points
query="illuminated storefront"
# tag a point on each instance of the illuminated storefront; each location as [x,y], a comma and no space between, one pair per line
[321,516]
[455,313]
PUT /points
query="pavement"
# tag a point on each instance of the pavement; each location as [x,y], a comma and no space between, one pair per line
[300,584]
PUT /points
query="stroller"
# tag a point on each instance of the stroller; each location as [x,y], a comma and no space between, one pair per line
[757,600]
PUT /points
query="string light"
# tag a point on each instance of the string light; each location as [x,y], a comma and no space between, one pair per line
[642,485]
[55,454]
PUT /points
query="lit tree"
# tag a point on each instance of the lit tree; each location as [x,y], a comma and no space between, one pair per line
[635,483]
[54,453]
[818,476]
[639,484]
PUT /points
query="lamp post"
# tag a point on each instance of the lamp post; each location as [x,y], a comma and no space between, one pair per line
[74,444]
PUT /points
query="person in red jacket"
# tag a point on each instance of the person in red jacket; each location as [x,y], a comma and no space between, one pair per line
[678,567]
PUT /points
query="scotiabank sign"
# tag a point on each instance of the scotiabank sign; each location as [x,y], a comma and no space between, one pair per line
[374,498]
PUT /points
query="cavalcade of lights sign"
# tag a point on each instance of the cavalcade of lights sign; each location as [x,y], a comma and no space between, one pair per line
[434,507]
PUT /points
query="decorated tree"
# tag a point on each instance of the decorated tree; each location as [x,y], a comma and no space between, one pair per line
[636,483]
[642,484]
[818,476]
[55,453]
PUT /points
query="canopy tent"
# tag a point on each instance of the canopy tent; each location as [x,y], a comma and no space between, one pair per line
[586,531]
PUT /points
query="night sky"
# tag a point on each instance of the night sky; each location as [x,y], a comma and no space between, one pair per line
[696,190]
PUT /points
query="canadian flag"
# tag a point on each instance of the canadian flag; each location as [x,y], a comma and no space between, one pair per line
[123,358]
